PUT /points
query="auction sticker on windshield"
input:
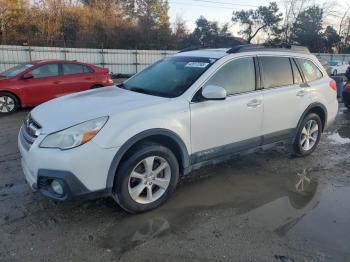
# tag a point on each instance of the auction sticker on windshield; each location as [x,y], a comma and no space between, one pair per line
[197,64]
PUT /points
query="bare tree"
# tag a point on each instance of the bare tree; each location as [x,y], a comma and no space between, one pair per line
[292,9]
[346,33]
[10,12]
[344,26]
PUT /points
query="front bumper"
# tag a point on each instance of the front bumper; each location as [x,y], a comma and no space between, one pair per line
[73,189]
[82,171]
[332,111]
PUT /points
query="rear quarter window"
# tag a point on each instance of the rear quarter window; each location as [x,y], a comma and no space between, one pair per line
[310,70]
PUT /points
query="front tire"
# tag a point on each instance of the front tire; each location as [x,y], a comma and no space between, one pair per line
[146,178]
[308,135]
[8,103]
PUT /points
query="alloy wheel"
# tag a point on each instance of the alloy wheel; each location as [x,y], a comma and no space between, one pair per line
[7,104]
[309,135]
[149,180]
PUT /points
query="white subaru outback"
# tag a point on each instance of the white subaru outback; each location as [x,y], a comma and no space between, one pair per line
[199,107]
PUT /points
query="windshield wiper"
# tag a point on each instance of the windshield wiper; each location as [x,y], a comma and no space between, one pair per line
[122,85]
[134,89]
[140,90]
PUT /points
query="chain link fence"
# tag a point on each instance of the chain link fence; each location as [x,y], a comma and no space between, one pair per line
[118,61]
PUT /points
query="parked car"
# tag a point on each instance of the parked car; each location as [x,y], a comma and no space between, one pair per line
[184,112]
[33,83]
[347,73]
[346,95]
[338,68]
[325,64]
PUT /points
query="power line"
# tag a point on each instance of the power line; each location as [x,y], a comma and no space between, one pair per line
[221,3]
[206,6]
[210,6]
[224,3]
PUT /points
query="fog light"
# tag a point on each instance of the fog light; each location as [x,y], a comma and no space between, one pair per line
[57,187]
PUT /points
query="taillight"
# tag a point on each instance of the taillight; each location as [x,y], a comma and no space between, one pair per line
[333,85]
[109,78]
[347,86]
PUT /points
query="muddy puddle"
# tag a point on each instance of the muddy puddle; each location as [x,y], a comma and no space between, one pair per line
[284,204]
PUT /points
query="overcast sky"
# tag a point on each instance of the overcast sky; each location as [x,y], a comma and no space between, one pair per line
[221,10]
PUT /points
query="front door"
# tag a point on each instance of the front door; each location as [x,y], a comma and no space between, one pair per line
[227,126]
[44,86]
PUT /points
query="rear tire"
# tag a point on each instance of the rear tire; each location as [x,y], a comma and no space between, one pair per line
[8,103]
[308,135]
[146,178]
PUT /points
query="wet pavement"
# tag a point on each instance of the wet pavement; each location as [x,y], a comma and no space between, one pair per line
[267,206]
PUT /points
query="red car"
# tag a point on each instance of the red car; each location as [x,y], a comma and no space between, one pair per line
[31,84]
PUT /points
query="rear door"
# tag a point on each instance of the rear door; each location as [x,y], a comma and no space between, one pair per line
[43,86]
[285,97]
[76,78]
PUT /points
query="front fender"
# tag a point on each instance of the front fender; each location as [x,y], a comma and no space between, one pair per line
[138,137]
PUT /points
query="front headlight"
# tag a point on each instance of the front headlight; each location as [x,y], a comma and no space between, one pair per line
[75,135]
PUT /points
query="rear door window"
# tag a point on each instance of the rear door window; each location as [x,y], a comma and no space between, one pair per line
[277,71]
[87,69]
[310,70]
[72,69]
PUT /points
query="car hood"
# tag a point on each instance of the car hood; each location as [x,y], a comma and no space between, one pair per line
[73,109]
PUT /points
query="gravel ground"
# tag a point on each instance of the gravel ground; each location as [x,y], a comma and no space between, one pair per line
[266,206]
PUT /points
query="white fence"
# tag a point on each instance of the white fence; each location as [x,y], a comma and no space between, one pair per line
[116,60]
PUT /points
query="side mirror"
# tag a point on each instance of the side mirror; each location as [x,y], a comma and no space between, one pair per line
[27,76]
[213,92]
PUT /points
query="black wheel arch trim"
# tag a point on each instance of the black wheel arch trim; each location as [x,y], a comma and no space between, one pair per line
[308,109]
[185,158]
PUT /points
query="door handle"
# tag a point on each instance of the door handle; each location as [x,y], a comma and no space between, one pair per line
[301,93]
[254,103]
[57,82]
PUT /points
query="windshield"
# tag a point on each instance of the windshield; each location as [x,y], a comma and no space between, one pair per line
[15,70]
[169,77]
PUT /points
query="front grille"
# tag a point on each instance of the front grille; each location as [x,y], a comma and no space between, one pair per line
[30,130]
